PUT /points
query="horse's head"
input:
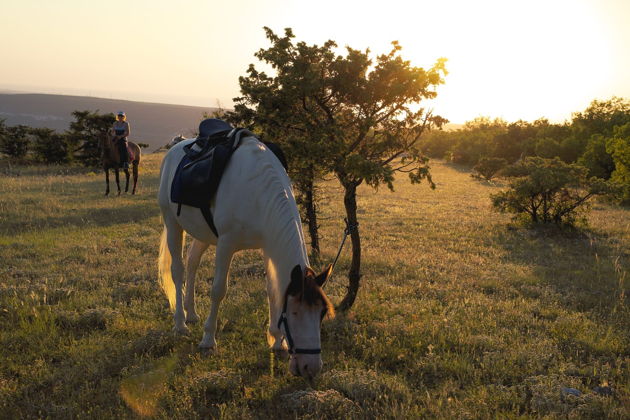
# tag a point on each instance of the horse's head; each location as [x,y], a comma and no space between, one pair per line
[306,305]
[175,140]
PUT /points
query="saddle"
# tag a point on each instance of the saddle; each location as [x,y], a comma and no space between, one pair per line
[199,173]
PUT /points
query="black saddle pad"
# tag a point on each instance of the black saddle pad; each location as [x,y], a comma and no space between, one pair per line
[197,180]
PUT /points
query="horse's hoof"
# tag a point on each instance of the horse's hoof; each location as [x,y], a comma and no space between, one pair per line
[207,351]
[179,331]
[192,318]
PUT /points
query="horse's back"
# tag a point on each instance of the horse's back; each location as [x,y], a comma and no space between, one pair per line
[236,207]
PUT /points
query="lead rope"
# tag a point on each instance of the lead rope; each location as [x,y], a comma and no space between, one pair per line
[347,231]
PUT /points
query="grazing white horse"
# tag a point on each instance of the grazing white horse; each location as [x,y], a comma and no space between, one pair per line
[254,208]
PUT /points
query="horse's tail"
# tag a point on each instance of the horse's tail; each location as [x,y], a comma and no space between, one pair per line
[165,260]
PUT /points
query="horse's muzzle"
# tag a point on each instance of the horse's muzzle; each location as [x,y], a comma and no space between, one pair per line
[307,366]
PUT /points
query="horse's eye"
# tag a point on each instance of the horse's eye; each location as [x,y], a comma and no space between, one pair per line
[294,313]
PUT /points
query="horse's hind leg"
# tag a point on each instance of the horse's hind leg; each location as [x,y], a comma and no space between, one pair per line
[107,181]
[135,176]
[224,254]
[117,180]
[195,251]
[174,243]
[126,180]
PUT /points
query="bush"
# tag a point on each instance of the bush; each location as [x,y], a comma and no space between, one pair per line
[619,149]
[14,140]
[596,159]
[50,147]
[488,168]
[549,191]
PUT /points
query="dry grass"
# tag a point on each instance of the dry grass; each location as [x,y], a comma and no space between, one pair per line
[460,315]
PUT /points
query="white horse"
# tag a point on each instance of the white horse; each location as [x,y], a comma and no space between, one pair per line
[254,208]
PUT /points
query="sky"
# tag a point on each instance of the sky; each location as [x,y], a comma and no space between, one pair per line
[506,58]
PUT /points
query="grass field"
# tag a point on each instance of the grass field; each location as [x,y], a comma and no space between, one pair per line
[460,314]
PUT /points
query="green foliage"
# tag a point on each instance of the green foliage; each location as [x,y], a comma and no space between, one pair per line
[547,148]
[14,140]
[488,168]
[581,140]
[437,144]
[619,148]
[596,158]
[601,117]
[549,191]
[50,147]
[349,114]
[476,140]
[87,130]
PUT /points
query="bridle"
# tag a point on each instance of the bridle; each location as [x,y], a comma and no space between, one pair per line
[287,333]
[283,316]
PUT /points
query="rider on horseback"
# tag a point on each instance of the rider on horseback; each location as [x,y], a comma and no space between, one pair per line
[121,132]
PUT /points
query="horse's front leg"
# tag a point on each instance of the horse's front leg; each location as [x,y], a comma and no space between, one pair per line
[195,251]
[274,334]
[117,180]
[107,181]
[126,180]
[224,254]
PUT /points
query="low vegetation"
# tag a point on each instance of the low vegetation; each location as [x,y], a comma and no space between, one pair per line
[488,167]
[550,191]
[459,316]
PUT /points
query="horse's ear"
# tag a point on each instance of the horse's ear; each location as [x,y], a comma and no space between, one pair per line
[324,276]
[297,281]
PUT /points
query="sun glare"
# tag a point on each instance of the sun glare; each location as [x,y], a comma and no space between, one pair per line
[505,59]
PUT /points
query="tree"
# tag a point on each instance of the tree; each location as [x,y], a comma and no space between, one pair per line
[50,147]
[348,114]
[437,143]
[549,191]
[87,131]
[619,149]
[14,140]
[488,168]
[477,140]
[548,148]
[596,159]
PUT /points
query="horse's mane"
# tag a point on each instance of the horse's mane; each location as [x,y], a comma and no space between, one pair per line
[312,294]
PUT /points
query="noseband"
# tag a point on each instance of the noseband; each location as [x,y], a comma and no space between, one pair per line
[287,334]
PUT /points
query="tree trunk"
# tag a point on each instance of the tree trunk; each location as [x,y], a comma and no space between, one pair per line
[354,275]
[311,216]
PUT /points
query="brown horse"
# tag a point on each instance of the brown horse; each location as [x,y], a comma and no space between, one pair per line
[110,158]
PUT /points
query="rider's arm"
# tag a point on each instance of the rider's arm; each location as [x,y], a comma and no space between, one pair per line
[127,129]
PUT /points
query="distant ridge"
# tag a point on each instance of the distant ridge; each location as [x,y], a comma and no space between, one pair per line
[152,123]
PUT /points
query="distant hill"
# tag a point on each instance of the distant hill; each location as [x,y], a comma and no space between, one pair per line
[151,123]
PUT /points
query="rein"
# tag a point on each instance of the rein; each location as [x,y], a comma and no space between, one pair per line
[284,321]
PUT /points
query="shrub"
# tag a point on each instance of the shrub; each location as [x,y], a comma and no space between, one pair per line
[549,191]
[619,149]
[14,140]
[50,147]
[488,168]
[596,159]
